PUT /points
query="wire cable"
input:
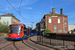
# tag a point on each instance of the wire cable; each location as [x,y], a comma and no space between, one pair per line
[18,11]
[20,5]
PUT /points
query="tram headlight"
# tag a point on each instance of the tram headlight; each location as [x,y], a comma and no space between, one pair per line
[18,34]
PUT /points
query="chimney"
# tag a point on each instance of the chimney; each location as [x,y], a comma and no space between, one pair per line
[13,16]
[61,11]
[50,12]
[53,9]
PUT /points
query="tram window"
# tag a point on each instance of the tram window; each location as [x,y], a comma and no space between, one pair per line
[25,30]
[33,31]
[74,30]
[21,28]
[28,30]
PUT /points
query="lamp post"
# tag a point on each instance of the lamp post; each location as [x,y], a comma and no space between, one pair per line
[41,28]
[40,31]
[32,24]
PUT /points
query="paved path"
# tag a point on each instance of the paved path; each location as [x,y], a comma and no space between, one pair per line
[3,39]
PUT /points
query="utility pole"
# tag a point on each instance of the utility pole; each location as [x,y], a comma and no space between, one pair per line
[32,24]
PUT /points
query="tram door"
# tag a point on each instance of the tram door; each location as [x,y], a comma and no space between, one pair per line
[27,32]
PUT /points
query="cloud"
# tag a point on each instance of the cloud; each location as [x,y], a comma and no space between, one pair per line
[71,13]
[39,13]
[71,16]
[60,3]
[27,2]
[7,8]
[16,5]
[51,4]
[71,23]
[28,7]
[57,12]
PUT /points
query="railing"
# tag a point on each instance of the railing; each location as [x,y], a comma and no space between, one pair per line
[58,40]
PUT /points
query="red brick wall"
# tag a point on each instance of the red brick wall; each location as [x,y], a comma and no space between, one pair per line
[66,28]
[50,26]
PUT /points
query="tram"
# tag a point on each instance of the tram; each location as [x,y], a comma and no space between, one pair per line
[20,31]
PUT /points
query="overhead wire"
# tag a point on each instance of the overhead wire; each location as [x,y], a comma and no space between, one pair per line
[20,5]
[18,11]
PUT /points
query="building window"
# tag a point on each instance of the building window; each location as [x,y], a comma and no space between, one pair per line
[74,30]
[65,24]
[55,28]
[65,30]
[49,20]
[58,20]
[65,18]
[60,30]
[0,18]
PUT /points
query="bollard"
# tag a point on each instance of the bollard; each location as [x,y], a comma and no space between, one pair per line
[50,38]
[5,34]
[63,42]
[74,45]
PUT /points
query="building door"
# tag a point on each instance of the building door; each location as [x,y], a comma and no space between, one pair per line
[55,28]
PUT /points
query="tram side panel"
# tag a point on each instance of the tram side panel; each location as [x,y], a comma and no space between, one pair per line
[25,33]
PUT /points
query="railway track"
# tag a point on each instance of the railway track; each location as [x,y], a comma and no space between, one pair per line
[23,45]
[14,44]
[17,47]
[28,45]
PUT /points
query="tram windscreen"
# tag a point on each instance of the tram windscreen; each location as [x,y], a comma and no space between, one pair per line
[14,28]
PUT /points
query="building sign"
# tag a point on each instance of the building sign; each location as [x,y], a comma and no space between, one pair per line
[54,16]
[41,29]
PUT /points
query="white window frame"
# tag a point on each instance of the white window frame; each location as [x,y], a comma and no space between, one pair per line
[65,18]
[60,30]
[65,30]
[50,20]
[58,20]
[65,24]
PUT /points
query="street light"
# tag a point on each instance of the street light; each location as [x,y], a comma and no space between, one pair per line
[32,24]
[41,28]
[40,31]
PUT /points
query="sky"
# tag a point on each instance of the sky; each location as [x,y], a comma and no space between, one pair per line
[34,10]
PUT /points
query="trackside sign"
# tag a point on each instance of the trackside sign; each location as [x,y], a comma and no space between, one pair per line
[54,16]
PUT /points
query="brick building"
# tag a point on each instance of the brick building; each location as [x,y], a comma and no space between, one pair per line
[57,23]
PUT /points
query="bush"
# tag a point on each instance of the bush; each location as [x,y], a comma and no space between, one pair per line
[3,27]
[47,31]
[72,31]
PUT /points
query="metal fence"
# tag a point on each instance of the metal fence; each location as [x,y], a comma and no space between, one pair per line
[66,41]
